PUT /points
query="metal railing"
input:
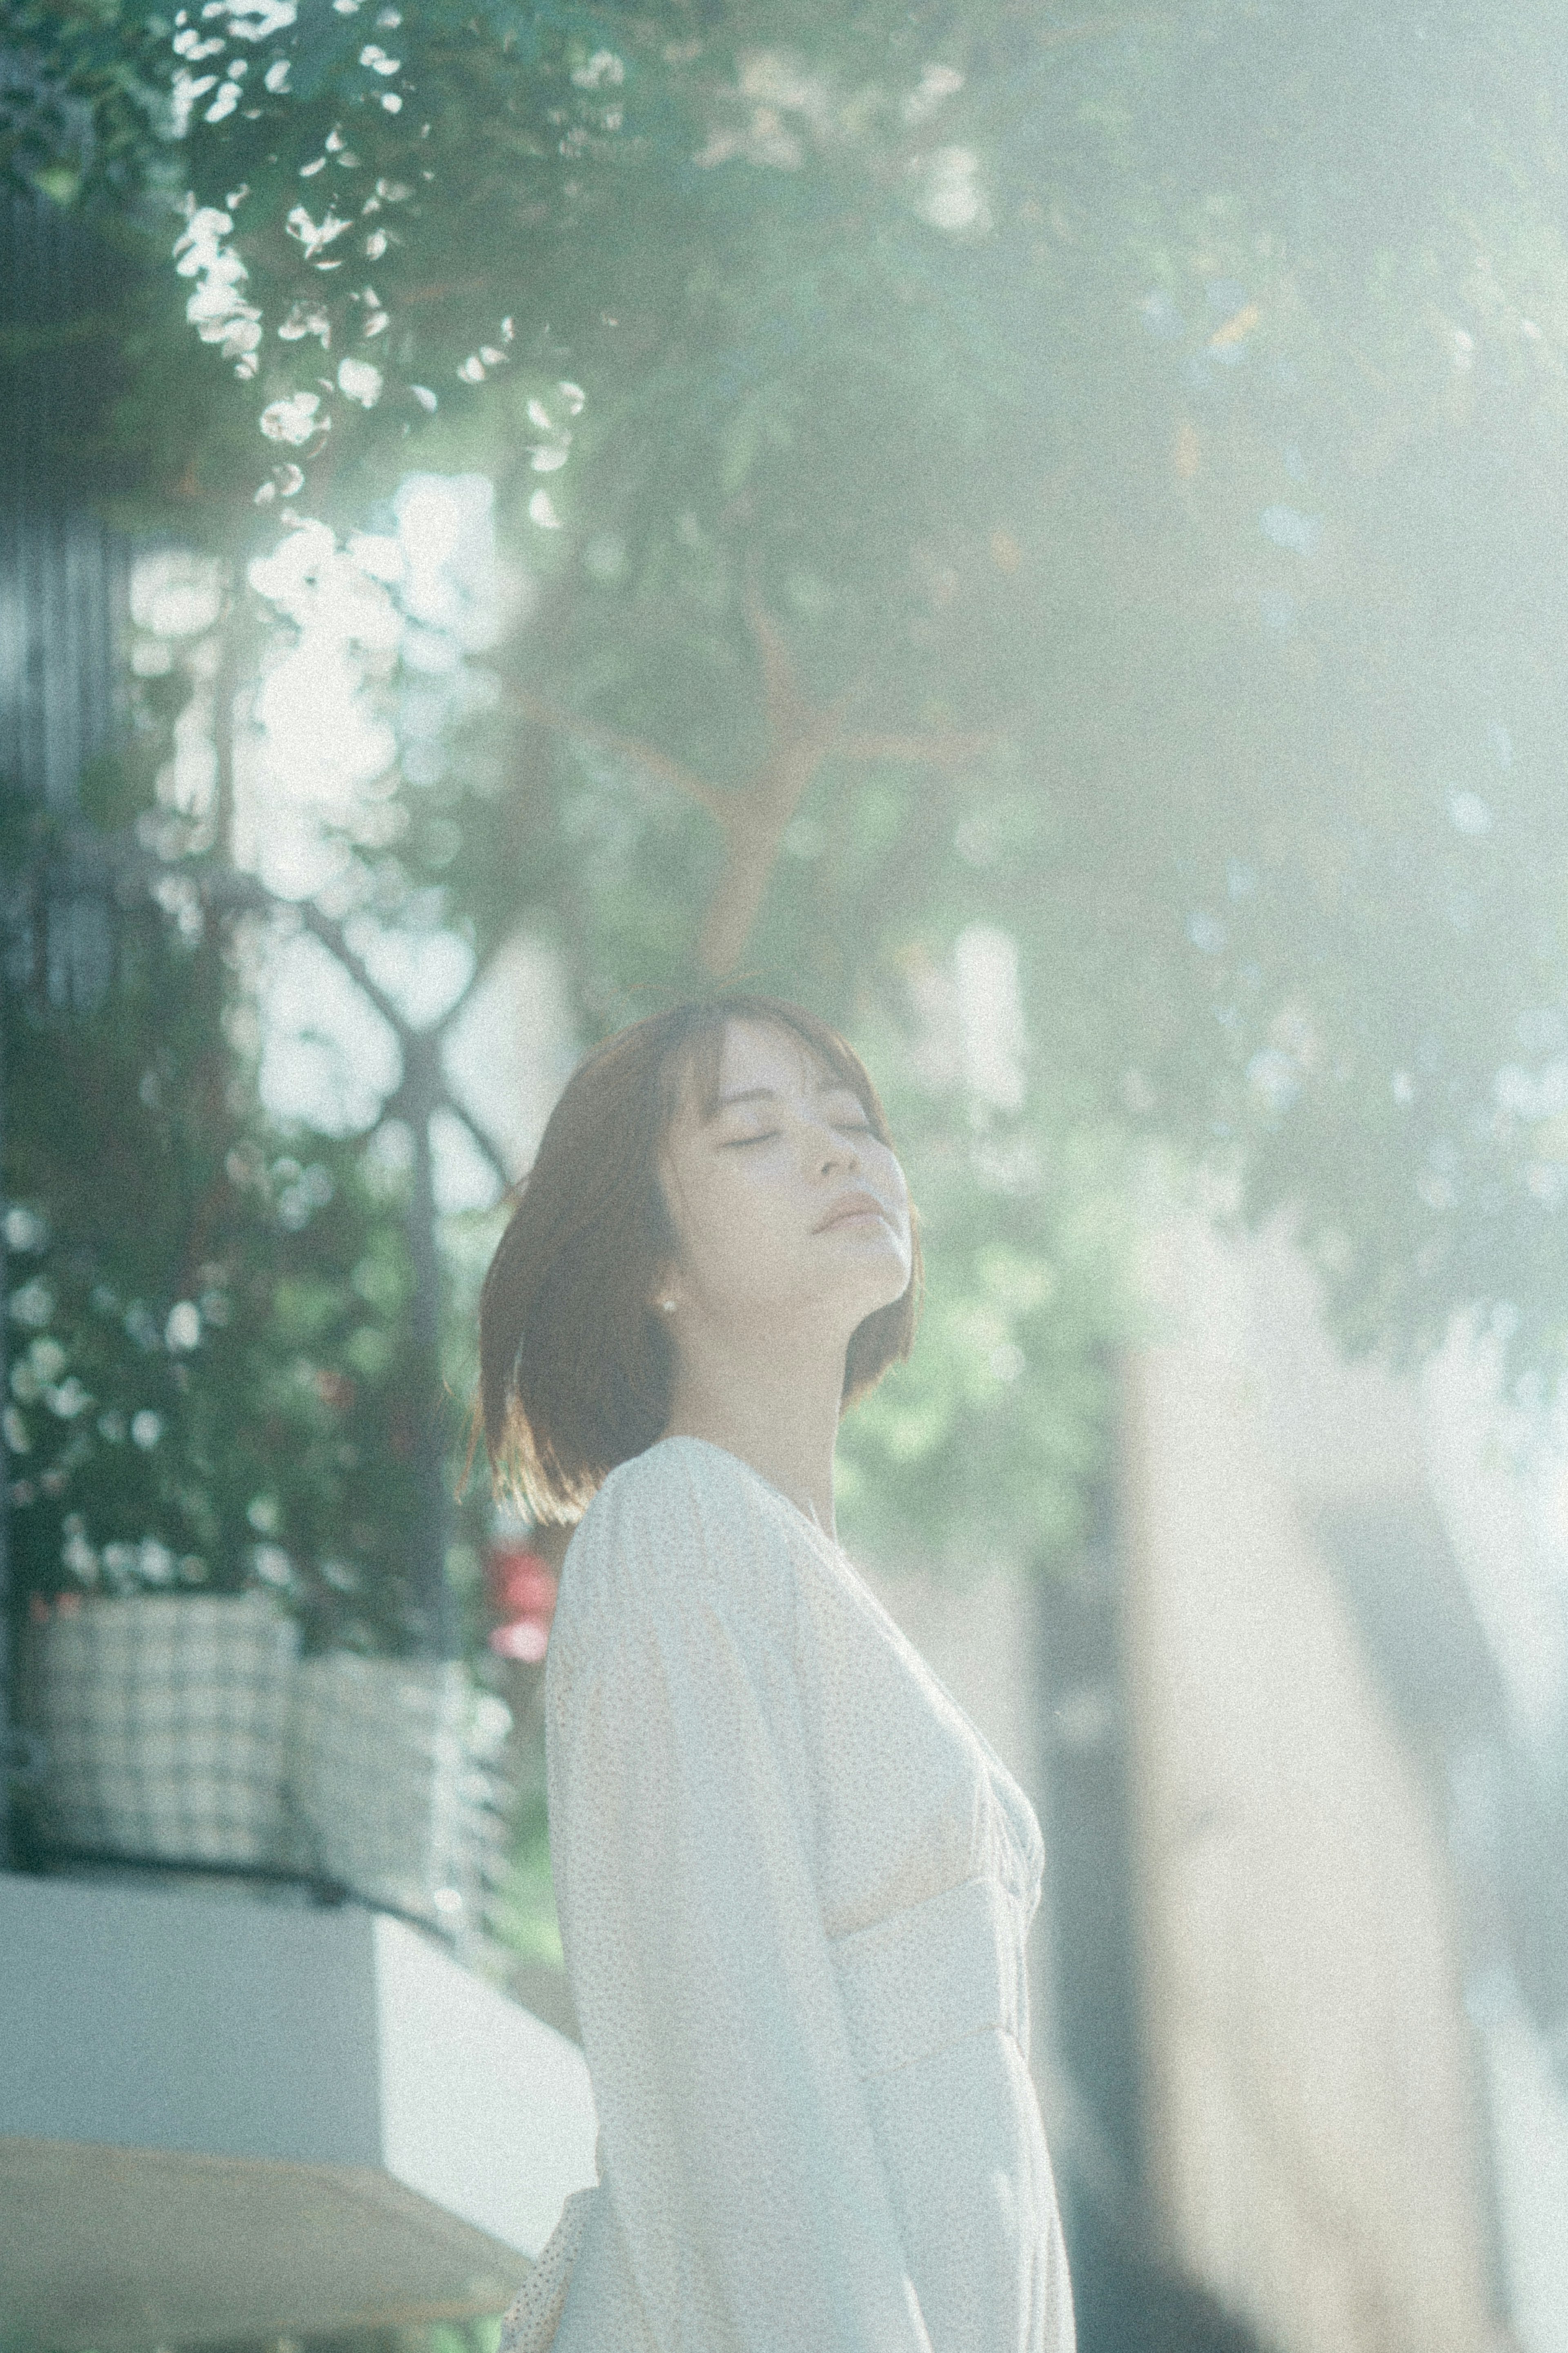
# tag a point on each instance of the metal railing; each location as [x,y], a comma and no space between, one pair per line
[69,912]
[87,883]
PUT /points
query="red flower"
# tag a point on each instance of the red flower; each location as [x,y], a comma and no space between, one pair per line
[520,1584]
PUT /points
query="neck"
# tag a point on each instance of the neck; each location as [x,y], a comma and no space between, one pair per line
[780,1415]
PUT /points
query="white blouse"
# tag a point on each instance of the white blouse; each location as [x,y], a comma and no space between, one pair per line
[793,1885]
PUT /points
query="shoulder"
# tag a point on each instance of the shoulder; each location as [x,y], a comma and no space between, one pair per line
[682,1519]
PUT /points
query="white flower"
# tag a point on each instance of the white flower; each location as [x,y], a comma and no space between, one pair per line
[359,380]
[294,420]
[77,1556]
[217,309]
[24,1229]
[952,197]
[313,234]
[154,1560]
[306,319]
[184,1328]
[936,83]
[255,20]
[272,1564]
[603,67]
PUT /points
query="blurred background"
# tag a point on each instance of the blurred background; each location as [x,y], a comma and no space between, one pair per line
[1041,537]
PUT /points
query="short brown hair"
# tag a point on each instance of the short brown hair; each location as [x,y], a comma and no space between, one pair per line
[574,1367]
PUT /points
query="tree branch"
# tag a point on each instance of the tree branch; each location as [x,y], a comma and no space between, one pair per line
[330,935]
[641,754]
[754,814]
[949,751]
[785,713]
[487,1149]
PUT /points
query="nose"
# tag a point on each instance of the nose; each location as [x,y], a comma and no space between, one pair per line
[829,1148]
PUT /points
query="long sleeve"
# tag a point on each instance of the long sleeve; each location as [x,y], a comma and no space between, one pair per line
[738,2153]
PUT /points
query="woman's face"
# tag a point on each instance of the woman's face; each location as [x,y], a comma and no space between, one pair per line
[788,1210]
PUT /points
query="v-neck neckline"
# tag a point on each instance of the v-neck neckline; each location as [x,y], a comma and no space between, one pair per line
[808,1519]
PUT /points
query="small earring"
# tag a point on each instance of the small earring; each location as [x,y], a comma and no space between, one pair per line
[668,1306]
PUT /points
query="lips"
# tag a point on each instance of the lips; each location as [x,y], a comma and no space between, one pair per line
[852,1205]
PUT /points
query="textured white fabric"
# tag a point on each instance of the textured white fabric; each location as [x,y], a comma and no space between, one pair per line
[534,2311]
[795,1885]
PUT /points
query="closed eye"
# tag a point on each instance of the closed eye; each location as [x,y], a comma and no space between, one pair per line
[739,1143]
[853,1116]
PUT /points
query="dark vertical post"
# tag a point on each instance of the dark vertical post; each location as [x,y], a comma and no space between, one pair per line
[63,582]
[6,1759]
[1089,1832]
[421,1093]
[235,646]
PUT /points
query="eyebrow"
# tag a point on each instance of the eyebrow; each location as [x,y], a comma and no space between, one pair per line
[770,1094]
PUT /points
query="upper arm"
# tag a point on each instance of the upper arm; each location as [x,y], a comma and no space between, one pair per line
[736,2138]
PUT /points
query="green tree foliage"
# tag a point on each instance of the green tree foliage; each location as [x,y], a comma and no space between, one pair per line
[211,1377]
[1098,480]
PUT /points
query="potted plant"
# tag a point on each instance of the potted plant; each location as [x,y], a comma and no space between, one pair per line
[394,1784]
[212,1427]
[164,1721]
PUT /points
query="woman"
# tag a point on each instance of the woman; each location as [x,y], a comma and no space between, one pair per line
[794,1882]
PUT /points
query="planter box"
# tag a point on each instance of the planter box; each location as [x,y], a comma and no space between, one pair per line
[165,1720]
[391,1787]
[186,1729]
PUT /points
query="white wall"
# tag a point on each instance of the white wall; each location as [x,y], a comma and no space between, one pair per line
[1317,2144]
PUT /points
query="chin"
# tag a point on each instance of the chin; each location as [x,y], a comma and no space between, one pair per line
[878,1293]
